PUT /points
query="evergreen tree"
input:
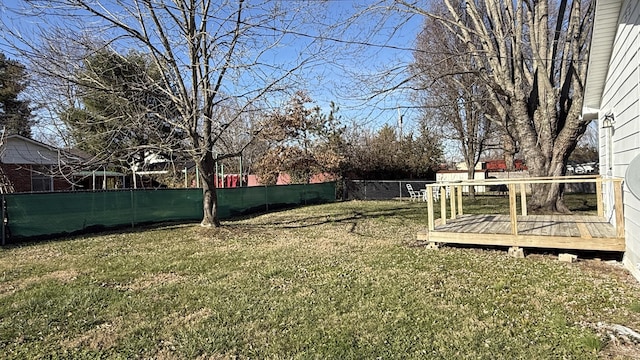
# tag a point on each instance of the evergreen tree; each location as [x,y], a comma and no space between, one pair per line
[121,112]
[15,114]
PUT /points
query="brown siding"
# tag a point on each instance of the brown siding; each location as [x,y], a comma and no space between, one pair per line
[19,175]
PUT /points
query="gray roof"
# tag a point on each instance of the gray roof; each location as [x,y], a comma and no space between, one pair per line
[18,149]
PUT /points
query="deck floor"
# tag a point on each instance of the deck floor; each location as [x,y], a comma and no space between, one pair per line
[581,232]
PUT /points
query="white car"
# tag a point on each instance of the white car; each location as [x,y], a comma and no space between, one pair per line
[588,168]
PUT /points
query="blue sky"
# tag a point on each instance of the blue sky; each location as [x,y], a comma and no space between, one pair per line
[369,45]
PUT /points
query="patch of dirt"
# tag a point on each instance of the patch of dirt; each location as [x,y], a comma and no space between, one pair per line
[10,288]
[618,351]
[43,253]
[215,357]
[167,353]
[62,276]
[154,280]
[178,320]
[609,269]
[103,336]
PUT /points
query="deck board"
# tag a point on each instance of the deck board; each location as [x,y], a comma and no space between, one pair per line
[594,230]
[548,231]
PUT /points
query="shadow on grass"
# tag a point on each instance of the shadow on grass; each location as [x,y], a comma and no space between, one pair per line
[347,216]
[96,230]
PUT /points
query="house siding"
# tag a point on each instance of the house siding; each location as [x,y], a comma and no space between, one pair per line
[20,177]
[22,160]
[621,97]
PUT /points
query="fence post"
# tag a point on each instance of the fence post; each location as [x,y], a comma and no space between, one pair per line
[344,188]
[523,199]
[513,209]
[452,201]
[443,205]
[133,209]
[430,218]
[365,189]
[599,201]
[4,220]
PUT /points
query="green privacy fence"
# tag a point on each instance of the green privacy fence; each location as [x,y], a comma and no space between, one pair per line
[39,214]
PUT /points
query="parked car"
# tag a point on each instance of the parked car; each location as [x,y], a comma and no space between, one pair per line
[588,167]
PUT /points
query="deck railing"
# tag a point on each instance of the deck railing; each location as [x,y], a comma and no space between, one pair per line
[515,186]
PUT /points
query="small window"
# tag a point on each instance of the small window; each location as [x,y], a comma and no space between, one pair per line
[40,182]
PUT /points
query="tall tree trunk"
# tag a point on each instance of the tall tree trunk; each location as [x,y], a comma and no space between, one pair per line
[509,152]
[551,196]
[471,173]
[542,161]
[209,193]
[547,161]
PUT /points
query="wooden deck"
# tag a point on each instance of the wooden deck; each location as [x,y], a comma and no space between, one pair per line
[578,232]
[542,231]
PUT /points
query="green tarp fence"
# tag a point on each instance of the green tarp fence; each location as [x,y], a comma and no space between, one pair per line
[43,214]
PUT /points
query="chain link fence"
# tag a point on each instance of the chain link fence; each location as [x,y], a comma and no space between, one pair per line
[381,189]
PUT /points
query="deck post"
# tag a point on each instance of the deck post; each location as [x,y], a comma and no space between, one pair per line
[430,221]
[513,209]
[599,201]
[443,205]
[618,206]
[452,199]
[594,233]
[459,187]
[523,199]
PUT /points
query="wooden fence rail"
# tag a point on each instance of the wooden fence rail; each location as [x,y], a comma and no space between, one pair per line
[515,186]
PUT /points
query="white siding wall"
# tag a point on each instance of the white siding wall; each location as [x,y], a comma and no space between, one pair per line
[621,97]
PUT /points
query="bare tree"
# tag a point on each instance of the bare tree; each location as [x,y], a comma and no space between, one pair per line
[533,59]
[451,96]
[207,53]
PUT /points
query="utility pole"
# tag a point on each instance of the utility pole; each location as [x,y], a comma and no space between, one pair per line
[400,116]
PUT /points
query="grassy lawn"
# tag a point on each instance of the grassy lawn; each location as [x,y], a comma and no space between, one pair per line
[344,280]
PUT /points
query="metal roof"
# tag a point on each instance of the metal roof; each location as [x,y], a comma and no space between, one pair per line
[605,27]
